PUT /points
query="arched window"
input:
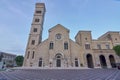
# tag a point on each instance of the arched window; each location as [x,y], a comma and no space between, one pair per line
[87,46]
[98,46]
[65,45]
[40,62]
[28,54]
[37,20]
[33,42]
[51,45]
[35,30]
[38,12]
[108,46]
[76,62]
[33,54]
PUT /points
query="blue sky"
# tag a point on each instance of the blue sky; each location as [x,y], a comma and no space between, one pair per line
[16,16]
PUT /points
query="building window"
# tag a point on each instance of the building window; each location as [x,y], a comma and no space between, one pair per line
[99,46]
[33,54]
[31,64]
[37,20]
[38,12]
[28,54]
[58,36]
[33,42]
[51,45]
[87,46]
[65,45]
[40,62]
[108,46]
[35,30]
[76,62]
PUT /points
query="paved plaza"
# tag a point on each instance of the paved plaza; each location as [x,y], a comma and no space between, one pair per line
[61,74]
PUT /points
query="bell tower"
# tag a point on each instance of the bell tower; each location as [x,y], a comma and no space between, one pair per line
[35,36]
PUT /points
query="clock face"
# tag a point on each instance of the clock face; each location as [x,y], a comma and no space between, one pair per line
[58,36]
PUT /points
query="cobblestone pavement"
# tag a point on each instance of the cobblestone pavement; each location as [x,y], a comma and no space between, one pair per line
[61,74]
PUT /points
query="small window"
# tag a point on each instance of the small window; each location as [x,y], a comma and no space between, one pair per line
[33,42]
[85,38]
[107,46]
[38,12]
[51,45]
[87,46]
[65,45]
[28,54]
[40,62]
[116,39]
[33,54]
[35,30]
[99,46]
[37,20]
[31,64]
[76,62]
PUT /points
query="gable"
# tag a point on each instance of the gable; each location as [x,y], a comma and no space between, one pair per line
[58,31]
[59,27]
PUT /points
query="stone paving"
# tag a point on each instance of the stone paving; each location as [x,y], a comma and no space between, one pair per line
[61,74]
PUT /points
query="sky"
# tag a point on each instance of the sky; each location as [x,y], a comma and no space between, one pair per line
[98,16]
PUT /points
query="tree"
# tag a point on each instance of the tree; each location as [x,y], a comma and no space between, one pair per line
[19,60]
[117,49]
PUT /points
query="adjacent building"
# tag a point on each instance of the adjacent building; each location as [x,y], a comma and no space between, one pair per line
[7,60]
[58,50]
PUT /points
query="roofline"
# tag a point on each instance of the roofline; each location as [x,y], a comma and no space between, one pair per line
[60,25]
[82,31]
[109,33]
[7,53]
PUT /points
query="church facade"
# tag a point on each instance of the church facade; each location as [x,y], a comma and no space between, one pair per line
[58,50]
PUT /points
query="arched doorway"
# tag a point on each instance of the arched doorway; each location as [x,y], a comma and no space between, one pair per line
[112,61]
[76,62]
[40,62]
[58,60]
[103,61]
[89,61]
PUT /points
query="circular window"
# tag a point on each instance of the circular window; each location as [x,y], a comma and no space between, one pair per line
[58,36]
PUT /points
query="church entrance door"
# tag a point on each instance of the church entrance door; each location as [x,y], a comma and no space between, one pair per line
[58,60]
[58,63]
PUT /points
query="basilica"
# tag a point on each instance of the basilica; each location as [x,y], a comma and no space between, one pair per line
[59,51]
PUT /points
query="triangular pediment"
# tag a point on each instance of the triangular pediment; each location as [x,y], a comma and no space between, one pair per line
[58,26]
